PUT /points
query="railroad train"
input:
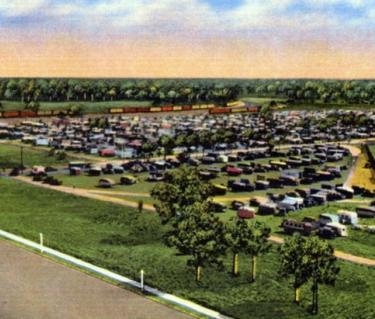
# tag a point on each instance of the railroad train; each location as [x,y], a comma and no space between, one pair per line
[212,109]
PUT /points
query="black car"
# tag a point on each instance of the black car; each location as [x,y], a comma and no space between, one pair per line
[327,233]
[235,205]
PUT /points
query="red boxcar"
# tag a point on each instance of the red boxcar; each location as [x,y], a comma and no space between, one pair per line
[219,110]
[11,114]
[167,108]
[28,114]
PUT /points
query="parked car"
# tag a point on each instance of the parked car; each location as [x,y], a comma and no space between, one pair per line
[246,212]
[291,226]
[267,209]
[326,232]
[347,217]
[128,180]
[234,171]
[235,205]
[106,183]
[219,190]
[217,207]
[364,211]
[340,230]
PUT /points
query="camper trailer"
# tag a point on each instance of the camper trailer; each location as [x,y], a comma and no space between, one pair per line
[291,226]
[347,217]
[339,229]
[324,219]
[366,211]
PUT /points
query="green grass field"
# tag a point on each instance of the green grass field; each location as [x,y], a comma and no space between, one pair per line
[372,149]
[262,100]
[306,106]
[10,157]
[112,236]
[95,107]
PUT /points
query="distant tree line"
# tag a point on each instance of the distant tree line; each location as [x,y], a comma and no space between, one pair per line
[220,91]
[316,91]
[157,91]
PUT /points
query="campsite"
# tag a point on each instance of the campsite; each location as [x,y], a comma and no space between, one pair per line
[291,171]
[187,159]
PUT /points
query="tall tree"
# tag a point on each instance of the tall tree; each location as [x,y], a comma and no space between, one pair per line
[257,244]
[323,268]
[309,259]
[181,188]
[199,235]
[294,263]
[168,143]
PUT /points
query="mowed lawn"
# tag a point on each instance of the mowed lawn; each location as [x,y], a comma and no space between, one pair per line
[372,149]
[95,107]
[10,157]
[120,239]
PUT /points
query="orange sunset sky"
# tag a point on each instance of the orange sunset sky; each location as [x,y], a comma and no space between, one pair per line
[188,38]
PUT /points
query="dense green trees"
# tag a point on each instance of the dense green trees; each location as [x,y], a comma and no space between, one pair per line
[163,91]
[158,91]
[201,236]
[308,259]
[249,239]
[181,188]
[183,205]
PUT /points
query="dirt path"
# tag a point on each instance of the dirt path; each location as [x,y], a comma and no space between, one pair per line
[88,194]
[33,287]
[338,254]
[121,193]
[85,193]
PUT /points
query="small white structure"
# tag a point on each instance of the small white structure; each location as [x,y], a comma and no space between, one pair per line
[222,158]
[340,229]
[348,217]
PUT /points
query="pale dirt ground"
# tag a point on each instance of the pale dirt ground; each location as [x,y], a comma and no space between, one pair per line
[33,287]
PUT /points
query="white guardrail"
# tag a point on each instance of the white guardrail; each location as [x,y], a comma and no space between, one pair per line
[191,306]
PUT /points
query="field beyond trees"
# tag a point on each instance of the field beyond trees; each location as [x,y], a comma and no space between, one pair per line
[10,157]
[86,107]
[125,241]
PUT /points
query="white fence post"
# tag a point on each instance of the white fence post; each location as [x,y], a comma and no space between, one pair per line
[142,280]
[41,243]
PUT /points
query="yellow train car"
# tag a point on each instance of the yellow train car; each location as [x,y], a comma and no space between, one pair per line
[155,109]
[116,111]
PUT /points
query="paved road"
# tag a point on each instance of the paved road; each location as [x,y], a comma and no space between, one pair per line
[33,287]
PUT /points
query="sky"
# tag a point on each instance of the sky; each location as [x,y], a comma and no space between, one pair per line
[188,38]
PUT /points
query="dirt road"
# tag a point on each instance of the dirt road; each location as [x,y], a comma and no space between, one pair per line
[86,193]
[338,254]
[33,287]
